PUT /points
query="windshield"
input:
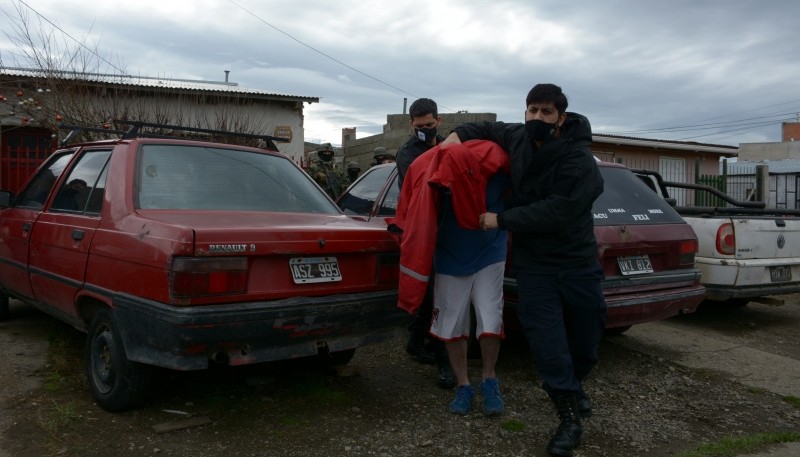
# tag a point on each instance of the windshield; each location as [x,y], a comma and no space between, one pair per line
[205,178]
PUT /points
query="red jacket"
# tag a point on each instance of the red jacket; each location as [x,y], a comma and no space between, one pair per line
[464,169]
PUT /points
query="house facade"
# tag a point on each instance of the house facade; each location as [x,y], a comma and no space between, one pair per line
[33,103]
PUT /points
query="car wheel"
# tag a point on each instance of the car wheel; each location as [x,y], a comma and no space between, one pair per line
[4,313]
[617,330]
[737,302]
[338,358]
[117,383]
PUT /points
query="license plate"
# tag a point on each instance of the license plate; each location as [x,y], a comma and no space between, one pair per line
[634,265]
[314,269]
[780,273]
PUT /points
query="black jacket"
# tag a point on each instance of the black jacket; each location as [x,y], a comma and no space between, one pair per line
[408,152]
[554,187]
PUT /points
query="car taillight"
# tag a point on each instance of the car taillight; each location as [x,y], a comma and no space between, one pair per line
[197,276]
[688,250]
[726,239]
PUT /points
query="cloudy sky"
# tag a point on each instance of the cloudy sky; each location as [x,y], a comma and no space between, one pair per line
[719,72]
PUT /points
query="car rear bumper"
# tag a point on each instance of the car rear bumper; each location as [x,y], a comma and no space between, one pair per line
[722,292]
[747,278]
[254,332]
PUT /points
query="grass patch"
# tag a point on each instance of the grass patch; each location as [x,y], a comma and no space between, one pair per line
[756,390]
[54,382]
[317,392]
[512,426]
[59,416]
[792,400]
[294,422]
[65,351]
[732,446]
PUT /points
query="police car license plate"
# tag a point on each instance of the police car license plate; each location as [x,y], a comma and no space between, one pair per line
[780,273]
[634,265]
[314,269]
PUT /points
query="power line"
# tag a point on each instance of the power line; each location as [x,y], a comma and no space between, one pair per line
[723,125]
[763,120]
[329,56]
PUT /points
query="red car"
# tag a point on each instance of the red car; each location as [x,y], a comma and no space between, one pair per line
[179,254]
[646,249]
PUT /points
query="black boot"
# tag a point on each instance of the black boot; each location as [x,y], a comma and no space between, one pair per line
[568,435]
[445,377]
[584,405]
[416,347]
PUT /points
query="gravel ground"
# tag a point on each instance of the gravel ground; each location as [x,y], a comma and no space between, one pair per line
[386,404]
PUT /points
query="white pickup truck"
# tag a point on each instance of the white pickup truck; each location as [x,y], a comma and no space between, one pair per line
[746,251]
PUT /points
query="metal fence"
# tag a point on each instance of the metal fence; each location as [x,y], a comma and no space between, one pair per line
[742,181]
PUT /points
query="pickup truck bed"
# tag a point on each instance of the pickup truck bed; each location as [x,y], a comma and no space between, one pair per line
[745,251]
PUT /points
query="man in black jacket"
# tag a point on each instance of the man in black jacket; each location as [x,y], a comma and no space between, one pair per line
[555,179]
[425,121]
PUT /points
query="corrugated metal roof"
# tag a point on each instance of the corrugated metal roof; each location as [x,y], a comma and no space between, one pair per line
[150,81]
[673,144]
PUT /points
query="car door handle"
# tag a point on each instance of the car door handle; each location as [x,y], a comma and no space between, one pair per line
[77,235]
[26,227]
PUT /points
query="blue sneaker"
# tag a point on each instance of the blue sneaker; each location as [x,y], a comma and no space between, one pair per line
[493,403]
[463,401]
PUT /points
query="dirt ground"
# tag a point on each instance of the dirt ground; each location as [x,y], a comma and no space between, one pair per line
[385,404]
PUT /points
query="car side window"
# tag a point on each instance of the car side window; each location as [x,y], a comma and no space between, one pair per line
[389,204]
[82,190]
[360,197]
[34,195]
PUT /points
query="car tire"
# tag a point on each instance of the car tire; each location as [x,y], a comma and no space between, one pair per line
[333,359]
[4,308]
[117,383]
[617,330]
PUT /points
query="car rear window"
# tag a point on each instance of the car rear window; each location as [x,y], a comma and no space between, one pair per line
[206,178]
[626,200]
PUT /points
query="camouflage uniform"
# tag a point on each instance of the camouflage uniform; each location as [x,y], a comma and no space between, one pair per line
[329,177]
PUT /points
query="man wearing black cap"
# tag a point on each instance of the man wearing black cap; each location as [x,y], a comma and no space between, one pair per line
[353,169]
[381,156]
[325,173]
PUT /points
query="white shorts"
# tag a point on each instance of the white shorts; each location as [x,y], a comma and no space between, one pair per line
[451,299]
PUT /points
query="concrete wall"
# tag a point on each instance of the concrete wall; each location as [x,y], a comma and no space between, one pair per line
[396,132]
[770,151]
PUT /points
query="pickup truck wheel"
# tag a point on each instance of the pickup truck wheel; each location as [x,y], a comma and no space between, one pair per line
[737,302]
[117,383]
[3,307]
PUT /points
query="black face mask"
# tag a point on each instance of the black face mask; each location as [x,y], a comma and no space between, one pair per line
[539,130]
[426,135]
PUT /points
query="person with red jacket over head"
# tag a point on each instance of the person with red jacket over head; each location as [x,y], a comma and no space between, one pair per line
[424,119]
[555,180]
[454,186]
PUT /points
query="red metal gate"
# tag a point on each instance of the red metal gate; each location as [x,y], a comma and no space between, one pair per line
[21,151]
